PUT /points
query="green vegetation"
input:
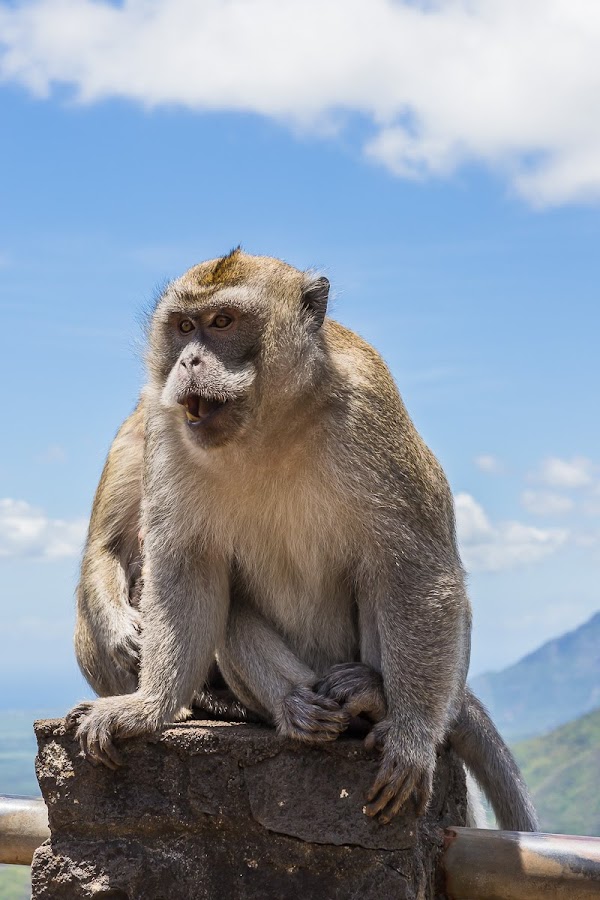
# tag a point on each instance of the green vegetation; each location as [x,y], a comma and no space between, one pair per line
[555,684]
[561,769]
[15,883]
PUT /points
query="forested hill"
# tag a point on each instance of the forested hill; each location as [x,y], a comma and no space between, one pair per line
[561,770]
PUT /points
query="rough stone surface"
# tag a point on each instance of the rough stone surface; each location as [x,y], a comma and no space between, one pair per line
[215,810]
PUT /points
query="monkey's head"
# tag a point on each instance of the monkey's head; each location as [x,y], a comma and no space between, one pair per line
[229,337]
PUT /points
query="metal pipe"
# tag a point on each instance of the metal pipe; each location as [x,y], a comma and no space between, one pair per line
[509,865]
[23,827]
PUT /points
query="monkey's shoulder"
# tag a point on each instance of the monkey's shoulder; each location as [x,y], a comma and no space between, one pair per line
[382,434]
[358,362]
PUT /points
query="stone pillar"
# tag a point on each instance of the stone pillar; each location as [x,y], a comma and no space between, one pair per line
[219,811]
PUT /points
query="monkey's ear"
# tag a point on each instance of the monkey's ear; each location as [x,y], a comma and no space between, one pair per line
[314,299]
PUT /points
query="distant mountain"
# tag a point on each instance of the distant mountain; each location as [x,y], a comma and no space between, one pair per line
[556,683]
[561,770]
[17,753]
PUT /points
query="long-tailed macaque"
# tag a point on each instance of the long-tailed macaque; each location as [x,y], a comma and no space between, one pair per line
[296,525]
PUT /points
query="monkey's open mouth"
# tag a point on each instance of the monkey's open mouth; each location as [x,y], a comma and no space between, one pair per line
[199,409]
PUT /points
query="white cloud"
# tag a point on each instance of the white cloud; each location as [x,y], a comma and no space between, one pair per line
[508,84]
[53,453]
[546,503]
[28,532]
[565,473]
[488,463]
[488,547]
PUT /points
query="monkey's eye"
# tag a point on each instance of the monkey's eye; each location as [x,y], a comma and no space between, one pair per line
[186,325]
[221,321]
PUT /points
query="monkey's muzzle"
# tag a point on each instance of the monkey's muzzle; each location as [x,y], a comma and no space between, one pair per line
[199,410]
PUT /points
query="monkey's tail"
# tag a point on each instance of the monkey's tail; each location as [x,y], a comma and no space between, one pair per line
[476,740]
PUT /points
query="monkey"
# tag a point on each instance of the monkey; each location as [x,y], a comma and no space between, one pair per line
[289,507]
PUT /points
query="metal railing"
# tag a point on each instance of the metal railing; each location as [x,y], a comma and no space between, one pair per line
[477,864]
[23,827]
[481,864]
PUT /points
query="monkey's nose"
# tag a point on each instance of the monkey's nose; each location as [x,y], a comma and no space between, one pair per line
[191,362]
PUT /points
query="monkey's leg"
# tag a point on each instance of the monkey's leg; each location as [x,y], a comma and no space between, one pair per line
[184,609]
[270,680]
[422,618]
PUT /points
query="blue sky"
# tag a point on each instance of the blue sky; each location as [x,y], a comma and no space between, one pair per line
[460,236]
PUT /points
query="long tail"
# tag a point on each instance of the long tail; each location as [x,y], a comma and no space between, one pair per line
[476,740]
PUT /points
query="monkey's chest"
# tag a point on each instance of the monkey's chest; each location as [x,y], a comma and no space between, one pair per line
[293,568]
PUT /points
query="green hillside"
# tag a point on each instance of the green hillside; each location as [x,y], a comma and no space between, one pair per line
[15,883]
[562,770]
[555,684]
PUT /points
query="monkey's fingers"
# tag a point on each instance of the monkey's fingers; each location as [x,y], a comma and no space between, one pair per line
[347,680]
[74,717]
[307,717]
[96,743]
[389,794]
[318,726]
[394,787]
[319,730]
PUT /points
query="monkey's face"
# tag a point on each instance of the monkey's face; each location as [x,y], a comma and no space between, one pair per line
[220,343]
[208,354]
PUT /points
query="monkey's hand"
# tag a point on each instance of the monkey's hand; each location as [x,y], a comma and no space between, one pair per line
[308,717]
[124,640]
[355,686]
[98,722]
[406,771]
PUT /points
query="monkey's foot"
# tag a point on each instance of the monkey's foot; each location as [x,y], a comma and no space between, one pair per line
[99,722]
[355,686]
[308,717]
[222,705]
[406,772]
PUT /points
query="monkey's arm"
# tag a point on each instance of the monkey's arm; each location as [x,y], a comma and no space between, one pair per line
[107,626]
[269,679]
[184,608]
[422,619]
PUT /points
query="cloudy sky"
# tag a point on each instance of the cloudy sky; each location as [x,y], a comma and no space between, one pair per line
[440,161]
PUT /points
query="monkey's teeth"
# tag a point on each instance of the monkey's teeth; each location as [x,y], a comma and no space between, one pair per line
[191,417]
